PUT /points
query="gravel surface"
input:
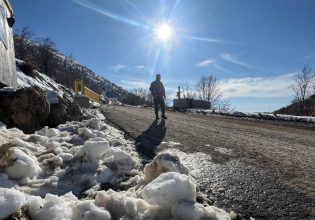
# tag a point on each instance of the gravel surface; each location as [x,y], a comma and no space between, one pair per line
[257,169]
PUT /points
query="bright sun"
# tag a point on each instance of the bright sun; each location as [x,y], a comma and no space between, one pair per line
[163,32]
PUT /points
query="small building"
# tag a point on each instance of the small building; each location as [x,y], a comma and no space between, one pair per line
[7,56]
[191,103]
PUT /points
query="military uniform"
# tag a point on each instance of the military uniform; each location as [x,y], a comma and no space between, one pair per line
[158,92]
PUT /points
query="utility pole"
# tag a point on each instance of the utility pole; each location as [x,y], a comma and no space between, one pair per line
[178,93]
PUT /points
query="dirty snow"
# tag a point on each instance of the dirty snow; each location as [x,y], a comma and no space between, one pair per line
[67,173]
[256,115]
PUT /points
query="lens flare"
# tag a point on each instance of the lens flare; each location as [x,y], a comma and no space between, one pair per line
[163,32]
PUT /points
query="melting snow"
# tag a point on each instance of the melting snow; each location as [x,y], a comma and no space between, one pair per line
[256,115]
[60,173]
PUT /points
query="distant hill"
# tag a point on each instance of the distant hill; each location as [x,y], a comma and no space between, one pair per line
[293,109]
[63,69]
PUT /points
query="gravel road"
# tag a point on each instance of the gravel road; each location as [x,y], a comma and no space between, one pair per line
[257,169]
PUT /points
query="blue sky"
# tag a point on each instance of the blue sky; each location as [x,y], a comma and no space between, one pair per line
[252,47]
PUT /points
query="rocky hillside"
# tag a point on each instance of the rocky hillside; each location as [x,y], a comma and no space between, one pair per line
[38,101]
[44,56]
[294,108]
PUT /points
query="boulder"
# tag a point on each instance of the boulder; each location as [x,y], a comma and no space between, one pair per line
[27,69]
[62,111]
[26,109]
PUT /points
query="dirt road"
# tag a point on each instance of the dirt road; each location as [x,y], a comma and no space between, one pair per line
[259,169]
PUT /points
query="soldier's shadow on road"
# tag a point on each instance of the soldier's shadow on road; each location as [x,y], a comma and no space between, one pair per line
[151,138]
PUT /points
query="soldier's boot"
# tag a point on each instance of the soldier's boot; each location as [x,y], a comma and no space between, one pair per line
[157,115]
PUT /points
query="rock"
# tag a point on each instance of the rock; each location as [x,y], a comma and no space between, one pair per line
[239,114]
[27,69]
[221,190]
[26,109]
[63,111]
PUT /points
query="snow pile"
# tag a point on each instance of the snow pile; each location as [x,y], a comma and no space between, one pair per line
[51,207]
[256,115]
[162,163]
[169,188]
[62,173]
[11,200]
[20,165]
[186,210]
[88,210]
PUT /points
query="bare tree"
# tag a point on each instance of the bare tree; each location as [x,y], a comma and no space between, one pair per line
[22,39]
[46,53]
[67,69]
[208,89]
[224,105]
[304,90]
[144,95]
[187,92]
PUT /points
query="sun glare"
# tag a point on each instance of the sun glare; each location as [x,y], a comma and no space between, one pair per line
[163,32]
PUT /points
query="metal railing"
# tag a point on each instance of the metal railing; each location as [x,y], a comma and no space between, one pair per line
[79,87]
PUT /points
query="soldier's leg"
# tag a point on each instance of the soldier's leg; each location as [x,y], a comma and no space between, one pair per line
[156,107]
[162,104]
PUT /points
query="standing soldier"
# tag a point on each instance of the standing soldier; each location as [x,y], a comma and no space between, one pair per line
[158,92]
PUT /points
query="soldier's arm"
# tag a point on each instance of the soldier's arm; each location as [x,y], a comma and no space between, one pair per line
[152,88]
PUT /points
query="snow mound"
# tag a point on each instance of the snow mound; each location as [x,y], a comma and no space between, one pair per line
[125,205]
[86,133]
[84,158]
[11,200]
[20,165]
[164,162]
[189,210]
[52,132]
[119,160]
[94,123]
[51,207]
[96,148]
[87,210]
[169,188]
[256,115]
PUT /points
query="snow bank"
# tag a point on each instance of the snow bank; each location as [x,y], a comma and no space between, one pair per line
[256,115]
[87,210]
[169,188]
[11,200]
[51,207]
[38,171]
[96,148]
[164,162]
[20,165]
[126,205]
